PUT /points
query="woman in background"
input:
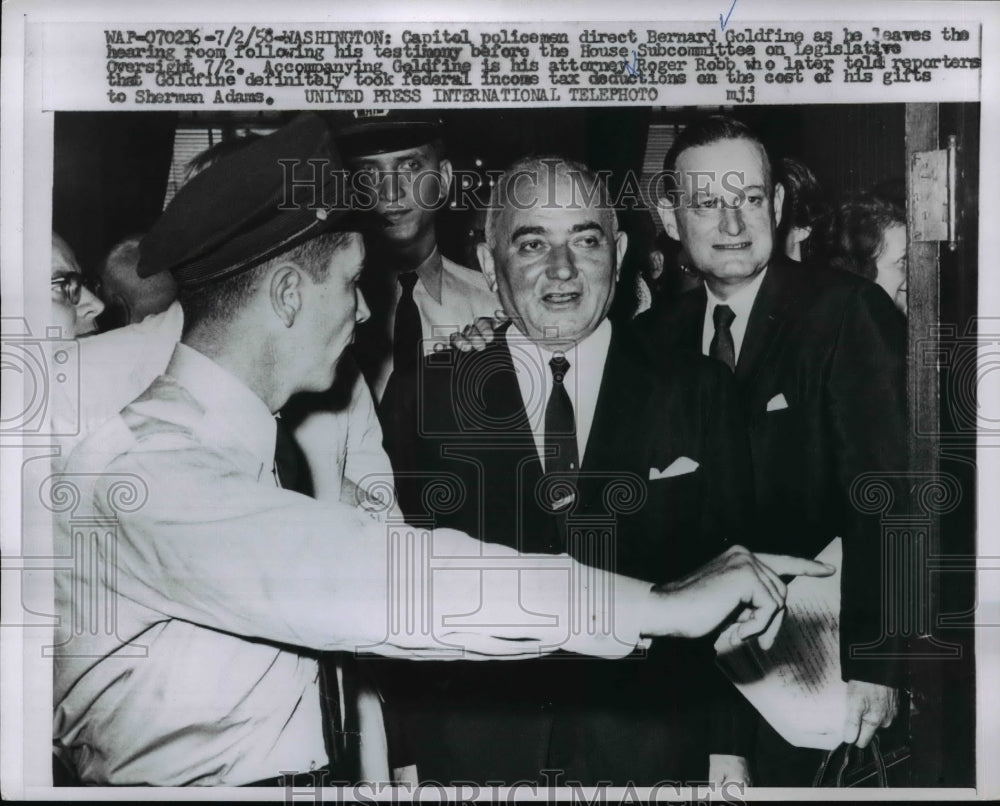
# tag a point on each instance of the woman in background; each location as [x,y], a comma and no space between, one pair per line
[867,235]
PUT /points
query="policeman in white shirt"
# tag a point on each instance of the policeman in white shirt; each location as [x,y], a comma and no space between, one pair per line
[223,585]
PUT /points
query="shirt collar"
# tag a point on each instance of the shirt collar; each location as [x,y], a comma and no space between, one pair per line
[234,415]
[430,273]
[593,350]
[742,301]
[595,345]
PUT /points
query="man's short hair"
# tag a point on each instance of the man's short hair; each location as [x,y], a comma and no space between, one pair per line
[805,201]
[587,185]
[704,132]
[61,249]
[126,251]
[220,301]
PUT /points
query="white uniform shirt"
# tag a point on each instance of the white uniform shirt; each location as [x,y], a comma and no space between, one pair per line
[117,366]
[218,575]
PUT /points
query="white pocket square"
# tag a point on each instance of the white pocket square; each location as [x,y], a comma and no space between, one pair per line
[777,403]
[677,468]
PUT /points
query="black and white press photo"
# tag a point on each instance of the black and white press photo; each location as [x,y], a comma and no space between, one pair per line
[550,409]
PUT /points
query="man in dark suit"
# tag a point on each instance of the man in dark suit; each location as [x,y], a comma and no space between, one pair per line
[564,437]
[819,360]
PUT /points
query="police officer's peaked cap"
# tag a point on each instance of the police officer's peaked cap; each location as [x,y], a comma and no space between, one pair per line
[252,205]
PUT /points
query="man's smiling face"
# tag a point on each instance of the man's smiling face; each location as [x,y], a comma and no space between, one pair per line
[725,212]
[555,260]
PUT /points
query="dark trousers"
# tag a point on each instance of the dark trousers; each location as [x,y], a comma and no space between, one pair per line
[778,763]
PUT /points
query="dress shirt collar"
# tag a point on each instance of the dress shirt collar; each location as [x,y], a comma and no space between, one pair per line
[430,272]
[234,415]
[593,346]
[592,351]
[741,303]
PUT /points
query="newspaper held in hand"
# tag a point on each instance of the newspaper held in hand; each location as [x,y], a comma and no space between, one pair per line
[796,685]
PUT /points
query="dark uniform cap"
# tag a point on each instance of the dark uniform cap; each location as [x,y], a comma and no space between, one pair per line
[381,131]
[251,206]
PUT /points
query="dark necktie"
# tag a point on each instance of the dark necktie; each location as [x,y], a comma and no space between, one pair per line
[291,469]
[407,332]
[722,346]
[291,472]
[560,426]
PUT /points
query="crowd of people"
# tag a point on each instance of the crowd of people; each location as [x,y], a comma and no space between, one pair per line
[295,383]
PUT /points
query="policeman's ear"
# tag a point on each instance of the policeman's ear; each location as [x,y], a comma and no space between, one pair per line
[621,244]
[286,292]
[668,215]
[444,168]
[779,202]
[488,266]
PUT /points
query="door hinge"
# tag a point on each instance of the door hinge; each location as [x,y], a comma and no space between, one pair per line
[933,178]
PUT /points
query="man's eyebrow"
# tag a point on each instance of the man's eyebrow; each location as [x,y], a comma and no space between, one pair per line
[373,159]
[584,226]
[527,230]
[410,154]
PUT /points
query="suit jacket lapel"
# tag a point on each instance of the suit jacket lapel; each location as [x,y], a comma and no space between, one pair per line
[500,395]
[767,318]
[624,396]
[690,319]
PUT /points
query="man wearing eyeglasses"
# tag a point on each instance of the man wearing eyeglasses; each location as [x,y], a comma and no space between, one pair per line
[75,307]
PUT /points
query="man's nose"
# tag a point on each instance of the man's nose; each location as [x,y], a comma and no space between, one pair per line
[89,305]
[389,189]
[731,220]
[363,312]
[560,265]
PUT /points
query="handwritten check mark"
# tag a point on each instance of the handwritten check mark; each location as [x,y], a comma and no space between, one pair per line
[724,22]
[633,68]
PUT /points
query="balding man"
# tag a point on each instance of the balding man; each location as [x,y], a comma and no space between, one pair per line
[567,438]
